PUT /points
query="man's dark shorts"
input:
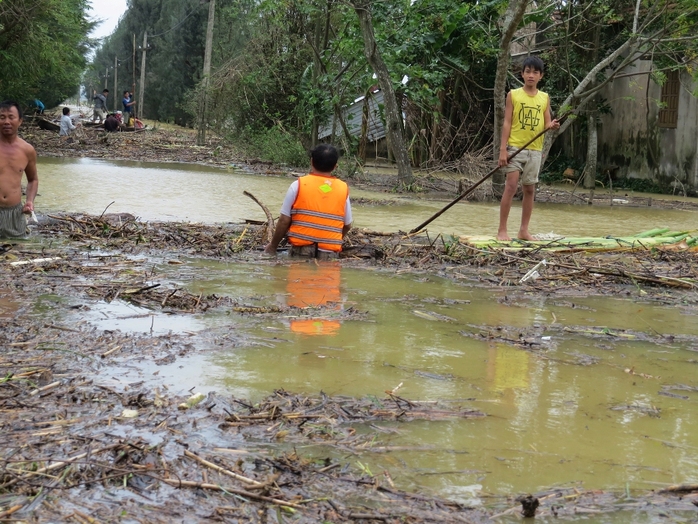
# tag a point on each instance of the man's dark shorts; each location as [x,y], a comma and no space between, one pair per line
[12,222]
[312,251]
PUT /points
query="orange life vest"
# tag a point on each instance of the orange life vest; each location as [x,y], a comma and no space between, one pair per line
[317,215]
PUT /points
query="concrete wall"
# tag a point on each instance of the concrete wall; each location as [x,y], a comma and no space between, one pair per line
[630,139]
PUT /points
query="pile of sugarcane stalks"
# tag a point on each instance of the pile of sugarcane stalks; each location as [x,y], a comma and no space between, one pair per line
[601,273]
[686,240]
[125,232]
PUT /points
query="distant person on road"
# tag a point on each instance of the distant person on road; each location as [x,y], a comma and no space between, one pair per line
[100,111]
[111,124]
[128,104]
[527,113]
[316,213]
[16,157]
[67,126]
[39,107]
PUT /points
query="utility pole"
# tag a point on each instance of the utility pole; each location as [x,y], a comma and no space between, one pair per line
[201,135]
[142,86]
[106,77]
[133,88]
[114,95]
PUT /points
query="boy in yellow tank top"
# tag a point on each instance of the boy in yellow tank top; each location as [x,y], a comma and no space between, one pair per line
[527,114]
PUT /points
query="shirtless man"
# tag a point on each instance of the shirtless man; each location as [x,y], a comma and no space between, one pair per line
[16,157]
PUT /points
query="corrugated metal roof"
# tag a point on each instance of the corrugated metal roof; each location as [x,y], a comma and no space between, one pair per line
[352,117]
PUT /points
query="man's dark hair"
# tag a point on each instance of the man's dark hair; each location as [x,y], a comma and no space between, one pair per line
[324,158]
[105,91]
[126,92]
[7,104]
[66,110]
[534,63]
[111,123]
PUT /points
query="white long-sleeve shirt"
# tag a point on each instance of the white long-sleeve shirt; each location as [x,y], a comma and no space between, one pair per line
[67,126]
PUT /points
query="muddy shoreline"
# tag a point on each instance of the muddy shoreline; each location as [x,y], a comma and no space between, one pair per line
[80,445]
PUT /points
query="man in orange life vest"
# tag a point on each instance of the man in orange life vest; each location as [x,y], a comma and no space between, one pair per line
[316,213]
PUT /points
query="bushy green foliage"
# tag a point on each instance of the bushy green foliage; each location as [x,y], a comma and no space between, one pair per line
[641,185]
[294,64]
[273,144]
[43,49]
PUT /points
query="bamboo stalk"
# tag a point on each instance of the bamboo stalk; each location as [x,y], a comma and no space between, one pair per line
[45,388]
[201,485]
[680,488]
[86,517]
[112,350]
[218,468]
[10,511]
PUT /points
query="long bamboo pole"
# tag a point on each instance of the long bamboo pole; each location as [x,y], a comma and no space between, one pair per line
[477,184]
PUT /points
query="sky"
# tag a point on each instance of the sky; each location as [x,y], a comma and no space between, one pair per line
[109,11]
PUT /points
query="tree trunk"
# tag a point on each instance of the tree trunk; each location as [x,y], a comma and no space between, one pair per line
[203,102]
[592,152]
[512,19]
[393,113]
[363,139]
[592,127]
[318,68]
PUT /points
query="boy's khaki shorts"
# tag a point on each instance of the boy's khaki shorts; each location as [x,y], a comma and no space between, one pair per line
[527,163]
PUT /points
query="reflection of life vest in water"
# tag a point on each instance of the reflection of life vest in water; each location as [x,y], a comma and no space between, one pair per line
[313,286]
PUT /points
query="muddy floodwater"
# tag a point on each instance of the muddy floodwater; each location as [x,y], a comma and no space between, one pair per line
[596,391]
[597,397]
[204,194]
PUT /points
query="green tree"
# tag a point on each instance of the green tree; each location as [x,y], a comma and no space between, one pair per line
[176,30]
[43,48]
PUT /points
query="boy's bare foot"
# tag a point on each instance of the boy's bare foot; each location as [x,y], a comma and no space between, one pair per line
[525,235]
[503,236]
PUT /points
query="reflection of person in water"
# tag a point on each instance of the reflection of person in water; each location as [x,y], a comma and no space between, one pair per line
[508,368]
[314,285]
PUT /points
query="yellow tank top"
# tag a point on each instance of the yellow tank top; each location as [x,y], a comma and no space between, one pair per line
[528,118]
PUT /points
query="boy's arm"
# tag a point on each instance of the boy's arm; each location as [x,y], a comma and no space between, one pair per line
[506,131]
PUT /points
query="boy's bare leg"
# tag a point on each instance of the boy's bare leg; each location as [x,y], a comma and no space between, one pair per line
[529,193]
[510,186]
